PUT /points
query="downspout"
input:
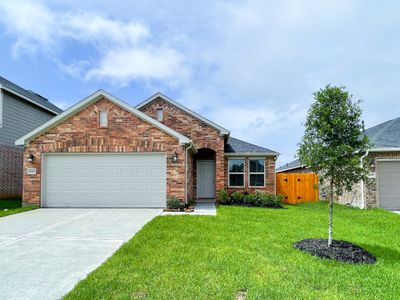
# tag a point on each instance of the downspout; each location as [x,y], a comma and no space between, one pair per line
[362,181]
[275,158]
[186,171]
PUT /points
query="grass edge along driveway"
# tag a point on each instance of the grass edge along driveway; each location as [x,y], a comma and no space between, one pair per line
[11,211]
[250,251]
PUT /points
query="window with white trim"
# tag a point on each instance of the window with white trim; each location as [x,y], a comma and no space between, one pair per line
[256,172]
[236,173]
[103,118]
[159,114]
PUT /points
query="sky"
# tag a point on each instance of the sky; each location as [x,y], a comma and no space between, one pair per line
[249,66]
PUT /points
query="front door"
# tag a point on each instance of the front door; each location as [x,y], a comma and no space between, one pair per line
[205,179]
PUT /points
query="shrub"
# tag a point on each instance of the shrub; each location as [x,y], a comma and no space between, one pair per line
[237,198]
[270,200]
[250,199]
[223,197]
[175,203]
[191,202]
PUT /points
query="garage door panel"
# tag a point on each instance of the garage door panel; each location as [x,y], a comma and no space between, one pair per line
[105,180]
[388,178]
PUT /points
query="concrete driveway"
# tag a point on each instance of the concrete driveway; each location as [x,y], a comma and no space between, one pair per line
[45,252]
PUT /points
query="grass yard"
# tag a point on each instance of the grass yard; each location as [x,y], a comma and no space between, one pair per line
[12,211]
[248,251]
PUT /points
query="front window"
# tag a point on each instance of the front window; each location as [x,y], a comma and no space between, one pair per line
[236,172]
[256,172]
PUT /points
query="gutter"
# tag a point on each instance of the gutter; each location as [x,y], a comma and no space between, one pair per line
[363,206]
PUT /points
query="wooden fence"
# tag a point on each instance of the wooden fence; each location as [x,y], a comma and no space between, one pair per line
[297,187]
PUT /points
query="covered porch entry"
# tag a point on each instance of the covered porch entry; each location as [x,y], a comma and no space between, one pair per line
[204,175]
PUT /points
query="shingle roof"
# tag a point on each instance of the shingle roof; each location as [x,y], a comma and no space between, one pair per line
[385,135]
[291,165]
[36,98]
[238,146]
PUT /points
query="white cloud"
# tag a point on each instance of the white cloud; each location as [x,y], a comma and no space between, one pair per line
[123,51]
[128,64]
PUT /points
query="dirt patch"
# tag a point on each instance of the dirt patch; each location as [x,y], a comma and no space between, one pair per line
[241,295]
[340,250]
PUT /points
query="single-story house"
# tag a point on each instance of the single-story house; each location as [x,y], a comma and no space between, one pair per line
[102,152]
[382,188]
[21,111]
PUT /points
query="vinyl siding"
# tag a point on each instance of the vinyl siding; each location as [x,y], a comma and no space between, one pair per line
[19,118]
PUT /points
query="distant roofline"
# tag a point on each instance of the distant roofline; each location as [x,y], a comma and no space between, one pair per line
[2,87]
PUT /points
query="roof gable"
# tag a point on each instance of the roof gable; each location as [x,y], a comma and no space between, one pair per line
[221,129]
[29,96]
[90,100]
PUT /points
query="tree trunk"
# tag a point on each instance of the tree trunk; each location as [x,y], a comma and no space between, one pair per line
[330,215]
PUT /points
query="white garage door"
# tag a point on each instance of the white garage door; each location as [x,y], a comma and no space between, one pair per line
[389,184]
[104,180]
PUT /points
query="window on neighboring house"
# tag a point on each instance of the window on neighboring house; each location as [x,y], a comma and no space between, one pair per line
[159,114]
[236,173]
[103,118]
[256,172]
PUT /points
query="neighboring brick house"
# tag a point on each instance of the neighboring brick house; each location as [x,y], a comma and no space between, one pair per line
[103,152]
[20,112]
[382,187]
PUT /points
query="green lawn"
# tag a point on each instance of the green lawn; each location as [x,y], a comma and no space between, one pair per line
[6,212]
[250,250]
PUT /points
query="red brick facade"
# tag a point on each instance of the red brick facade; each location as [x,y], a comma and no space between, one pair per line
[202,135]
[124,133]
[81,133]
[10,171]
[205,136]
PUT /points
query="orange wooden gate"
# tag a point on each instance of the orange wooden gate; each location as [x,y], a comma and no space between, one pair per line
[297,187]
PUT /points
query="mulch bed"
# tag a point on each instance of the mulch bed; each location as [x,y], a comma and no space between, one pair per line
[186,209]
[340,250]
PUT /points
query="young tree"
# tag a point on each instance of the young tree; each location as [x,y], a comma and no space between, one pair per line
[334,142]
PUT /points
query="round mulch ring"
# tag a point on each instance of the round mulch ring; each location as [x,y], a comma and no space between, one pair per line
[340,250]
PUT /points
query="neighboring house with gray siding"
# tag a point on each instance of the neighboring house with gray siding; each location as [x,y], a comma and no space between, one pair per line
[20,111]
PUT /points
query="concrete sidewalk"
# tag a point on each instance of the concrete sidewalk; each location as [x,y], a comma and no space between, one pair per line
[200,209]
